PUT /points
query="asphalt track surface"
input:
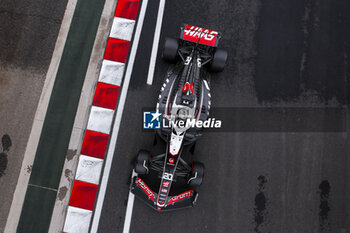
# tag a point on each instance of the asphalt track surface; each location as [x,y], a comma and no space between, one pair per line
[281,54]
[28,32]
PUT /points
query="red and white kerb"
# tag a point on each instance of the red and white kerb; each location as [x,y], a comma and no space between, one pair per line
[87,178]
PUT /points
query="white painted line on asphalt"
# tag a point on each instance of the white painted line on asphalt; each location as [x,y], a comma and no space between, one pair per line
[152,63]
[119,113]
[129,208]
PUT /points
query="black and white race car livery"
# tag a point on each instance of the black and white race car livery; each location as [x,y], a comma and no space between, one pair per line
[184,99]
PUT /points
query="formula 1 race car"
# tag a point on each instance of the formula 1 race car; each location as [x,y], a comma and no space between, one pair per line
[184,100]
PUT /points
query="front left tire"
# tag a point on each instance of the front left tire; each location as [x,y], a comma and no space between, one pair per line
[142,162]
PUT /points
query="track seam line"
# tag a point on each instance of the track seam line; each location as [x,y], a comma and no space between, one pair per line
[42,187]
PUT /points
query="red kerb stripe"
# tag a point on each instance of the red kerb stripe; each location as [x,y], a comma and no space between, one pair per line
[106,95]
[83,195]
[117,50]
[127,9]
[94,144]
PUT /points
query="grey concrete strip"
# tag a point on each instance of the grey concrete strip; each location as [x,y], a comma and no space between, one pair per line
[33,140]
[81,119]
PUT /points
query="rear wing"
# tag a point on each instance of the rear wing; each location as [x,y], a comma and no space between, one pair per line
[200,35]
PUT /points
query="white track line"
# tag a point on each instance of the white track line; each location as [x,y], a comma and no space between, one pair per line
[115,130]
[129,208]
[152,63]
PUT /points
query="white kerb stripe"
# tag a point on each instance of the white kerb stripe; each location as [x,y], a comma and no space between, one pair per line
[100,119]
[111,72]
[114,134]
[77,220]
[122,28]
[155,42]
[89,169]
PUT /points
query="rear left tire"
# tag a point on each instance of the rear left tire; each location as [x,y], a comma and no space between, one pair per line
[170,48]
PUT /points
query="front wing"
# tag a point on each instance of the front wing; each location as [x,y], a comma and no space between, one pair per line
[184,200]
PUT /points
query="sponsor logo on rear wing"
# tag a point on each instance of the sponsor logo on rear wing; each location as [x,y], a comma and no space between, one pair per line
[200,35]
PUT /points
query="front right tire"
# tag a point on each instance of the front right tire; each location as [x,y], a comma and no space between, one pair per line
[197,174]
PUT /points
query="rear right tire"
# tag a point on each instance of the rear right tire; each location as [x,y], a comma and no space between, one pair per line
[219,60]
